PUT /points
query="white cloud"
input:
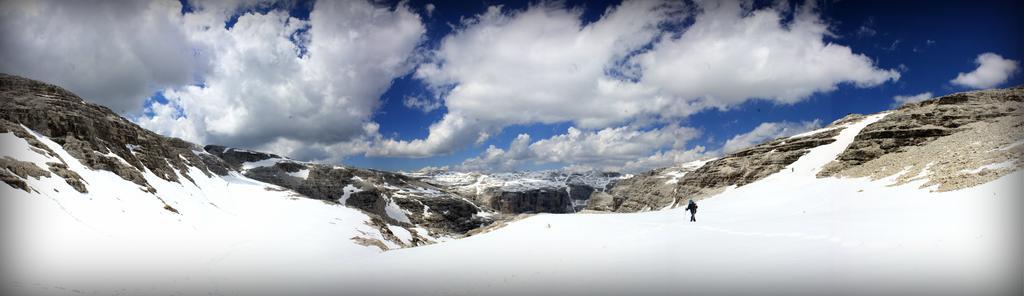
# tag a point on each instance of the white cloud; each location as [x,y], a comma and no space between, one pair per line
[423,104]
[729,56]
[538,65]
[610,145]
[430,9]
[309,88]
[113,53]
[610,148]
[992,70]
[903,100]
[260,90]
[667,158]
[453,132]
[626,148]
[768,131]
[543,65]
[497,159]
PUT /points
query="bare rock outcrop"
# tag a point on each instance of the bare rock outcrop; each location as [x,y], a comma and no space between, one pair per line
[552,191]
[647,191]
[70,177]
[395,198]
[918,124]
[15,172]
[94,134]
[651,190]
[540,200]
[978,134]
[102,140]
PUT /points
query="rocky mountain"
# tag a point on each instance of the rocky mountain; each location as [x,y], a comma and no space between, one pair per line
[102,141]
[396,198]
[954,141]
[449,204]
[90,192]
[94,134]
[657,187]
[553,191]
[977,134]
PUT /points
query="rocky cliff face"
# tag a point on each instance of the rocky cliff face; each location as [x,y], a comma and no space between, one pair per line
[94,134]
[396,198]
[544,200]
[102,140]
[955,141]
[977,134]
[651,190]
[525,192]
[654,188]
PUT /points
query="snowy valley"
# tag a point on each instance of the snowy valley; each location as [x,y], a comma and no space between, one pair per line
[923,199]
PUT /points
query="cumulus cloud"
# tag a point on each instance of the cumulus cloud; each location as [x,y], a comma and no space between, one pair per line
[112,53]
[730,55]
[768,131]
[453,132]
[625,148]
[303,88]
[992,70]
[497,159]
[538,65]
[543,65]
[903,100]
[668,158]
[309,88]
[610,148]
[610,145]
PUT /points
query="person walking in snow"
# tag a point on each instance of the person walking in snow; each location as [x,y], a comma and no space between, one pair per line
[692,207]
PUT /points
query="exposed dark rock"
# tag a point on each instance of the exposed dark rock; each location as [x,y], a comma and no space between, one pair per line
[236,157]
[20,132]
[580,195]
[646,190]
[71,177]
[15,182]
[543,200]
[453,214]
[102,140]
[427,205]
[93,159]
[215,164]
[15,172]
[552,191]
[751,164]
[171,209]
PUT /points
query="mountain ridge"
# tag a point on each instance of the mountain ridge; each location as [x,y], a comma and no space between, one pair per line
[455,203]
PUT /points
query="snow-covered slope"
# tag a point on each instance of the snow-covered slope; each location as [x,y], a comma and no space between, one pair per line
[93,204]
[118,231]
[398,200]
[789,233]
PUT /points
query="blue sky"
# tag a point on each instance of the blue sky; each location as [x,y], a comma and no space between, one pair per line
[407,85]
[954,29]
